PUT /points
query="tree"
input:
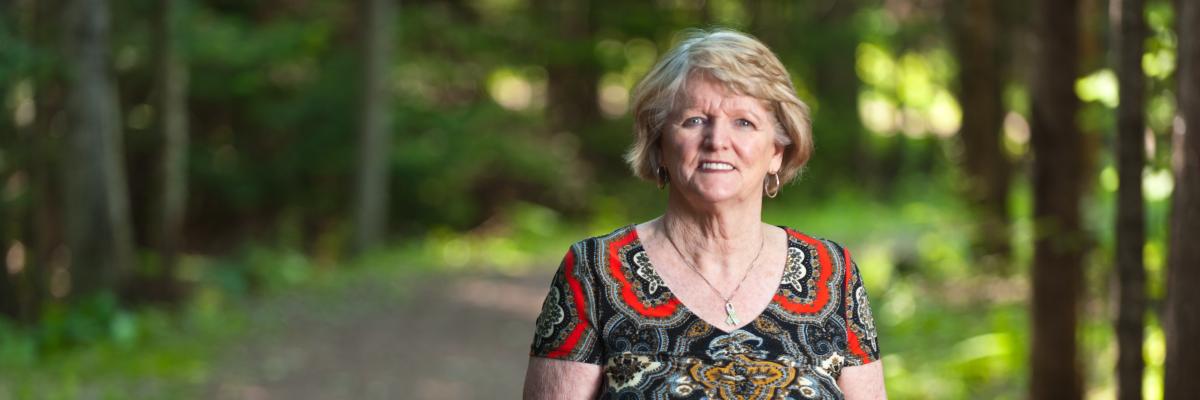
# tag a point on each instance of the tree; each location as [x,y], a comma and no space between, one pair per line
[1129,32]
[573,77]
[572,73]
[99,233]
[45,220]
[1058,184]
[10,214]
[374,144]
[171,102]
[1182,320]
[980,49]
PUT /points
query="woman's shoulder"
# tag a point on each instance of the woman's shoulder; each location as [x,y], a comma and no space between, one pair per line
[808,239]
[589,248]
[807,236]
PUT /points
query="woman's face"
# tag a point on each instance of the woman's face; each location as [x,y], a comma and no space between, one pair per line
[720,145]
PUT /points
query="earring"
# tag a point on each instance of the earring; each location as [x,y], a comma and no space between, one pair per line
[767,185]
[663,177]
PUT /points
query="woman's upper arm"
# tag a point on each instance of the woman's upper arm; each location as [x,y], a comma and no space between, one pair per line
[863,381]
[566,354]
[548,378]
[862,376]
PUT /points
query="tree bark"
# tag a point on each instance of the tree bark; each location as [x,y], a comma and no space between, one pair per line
[980,50]
[836,84]
[571,73]
[1129,32]
[370,211]
[45,230]
[170,100]
[99,234]
[1182,320]
[1058,175]
[11,212]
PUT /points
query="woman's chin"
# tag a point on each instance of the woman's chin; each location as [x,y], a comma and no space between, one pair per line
[714,195]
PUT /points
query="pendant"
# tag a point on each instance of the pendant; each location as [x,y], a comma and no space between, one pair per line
[730,314]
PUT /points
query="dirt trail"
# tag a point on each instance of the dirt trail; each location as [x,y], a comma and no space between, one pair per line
[441,337]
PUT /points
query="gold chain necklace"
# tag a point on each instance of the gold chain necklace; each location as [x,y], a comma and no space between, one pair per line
[730,312]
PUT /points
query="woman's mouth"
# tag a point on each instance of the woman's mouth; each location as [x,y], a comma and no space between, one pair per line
[716,166]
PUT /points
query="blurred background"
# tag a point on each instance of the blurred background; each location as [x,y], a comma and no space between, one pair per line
[366,199]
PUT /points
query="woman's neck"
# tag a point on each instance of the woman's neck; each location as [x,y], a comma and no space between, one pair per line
[719,241]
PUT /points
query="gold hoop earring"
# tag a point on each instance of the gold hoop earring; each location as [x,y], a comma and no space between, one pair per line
[767,185]
[663,177]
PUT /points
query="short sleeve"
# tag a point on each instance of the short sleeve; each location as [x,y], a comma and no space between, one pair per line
[862,340]
[564,329]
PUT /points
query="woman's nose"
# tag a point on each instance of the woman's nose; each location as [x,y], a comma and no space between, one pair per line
[717,135]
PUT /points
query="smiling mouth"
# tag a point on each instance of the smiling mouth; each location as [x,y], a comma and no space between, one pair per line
[716,166]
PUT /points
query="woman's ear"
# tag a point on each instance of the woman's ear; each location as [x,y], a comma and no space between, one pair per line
[777,157]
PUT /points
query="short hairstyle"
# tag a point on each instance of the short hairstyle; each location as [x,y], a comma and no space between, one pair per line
[744,66]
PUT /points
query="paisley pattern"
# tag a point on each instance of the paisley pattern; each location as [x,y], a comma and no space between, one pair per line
[608,306]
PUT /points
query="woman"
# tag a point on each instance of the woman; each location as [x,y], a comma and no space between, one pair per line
[707,300]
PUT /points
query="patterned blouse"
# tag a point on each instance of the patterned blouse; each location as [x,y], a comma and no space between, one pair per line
[608,306]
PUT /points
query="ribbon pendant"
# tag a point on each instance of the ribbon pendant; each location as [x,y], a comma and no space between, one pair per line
[730,314]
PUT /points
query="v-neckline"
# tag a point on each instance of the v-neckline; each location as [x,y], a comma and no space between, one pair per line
[787,258]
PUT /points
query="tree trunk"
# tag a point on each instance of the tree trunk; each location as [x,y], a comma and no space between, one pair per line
[1129,31]
[980,49]
[45,231]
[571,73]
[370,211]
[836,84]
[99,234]
[1058,174]
[11,214]
[170,100]
[1182,320]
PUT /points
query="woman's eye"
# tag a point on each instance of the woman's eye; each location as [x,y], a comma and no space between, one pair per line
[744,123]
[693,121]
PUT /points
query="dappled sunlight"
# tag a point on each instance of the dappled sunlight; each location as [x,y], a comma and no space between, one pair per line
[613,96]
[1016,134]
[907,93]
[515,91]
[1100,86]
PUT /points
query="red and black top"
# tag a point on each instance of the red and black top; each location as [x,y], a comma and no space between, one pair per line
[608,306]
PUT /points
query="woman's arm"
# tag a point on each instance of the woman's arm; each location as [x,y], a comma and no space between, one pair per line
[550,379]
[863,381]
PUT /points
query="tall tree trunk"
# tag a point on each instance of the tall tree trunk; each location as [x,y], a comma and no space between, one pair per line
[171,102]
[572,75]
[99,234]
[980,52]
[11,214]
[1058,174]
[835,82]
[1182,322]
[45,230]
[1129,31]
[374,146]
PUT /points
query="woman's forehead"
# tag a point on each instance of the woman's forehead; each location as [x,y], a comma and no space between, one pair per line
[709,93]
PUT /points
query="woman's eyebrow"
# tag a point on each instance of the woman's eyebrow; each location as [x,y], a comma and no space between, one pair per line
[744,112]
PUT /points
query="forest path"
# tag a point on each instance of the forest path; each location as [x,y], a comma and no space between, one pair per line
[461,335]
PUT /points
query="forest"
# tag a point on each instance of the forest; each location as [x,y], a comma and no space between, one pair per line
[270,199]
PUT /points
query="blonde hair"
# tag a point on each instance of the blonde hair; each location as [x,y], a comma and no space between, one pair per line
[744,66]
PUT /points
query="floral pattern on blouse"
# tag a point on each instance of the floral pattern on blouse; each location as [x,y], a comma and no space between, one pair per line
[608,306]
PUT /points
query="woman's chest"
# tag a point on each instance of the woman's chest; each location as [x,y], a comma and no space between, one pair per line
[763,360]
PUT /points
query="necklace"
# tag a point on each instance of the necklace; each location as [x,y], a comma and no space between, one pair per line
[730,312]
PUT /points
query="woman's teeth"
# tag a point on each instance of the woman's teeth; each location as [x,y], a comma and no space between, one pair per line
[716,166]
